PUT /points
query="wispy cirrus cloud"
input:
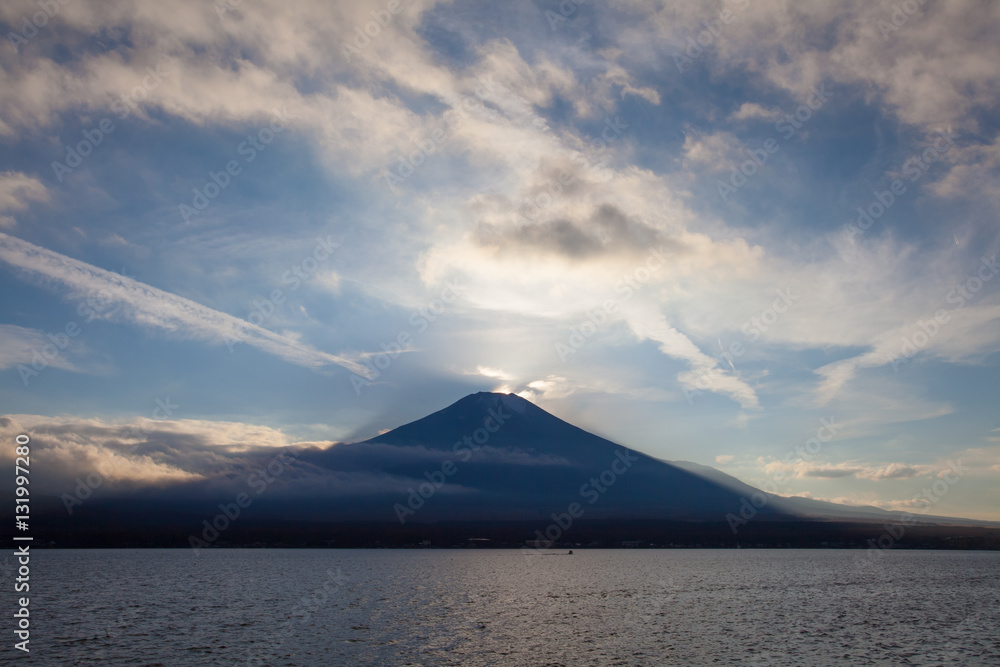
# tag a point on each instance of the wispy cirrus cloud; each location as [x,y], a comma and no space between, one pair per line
[145,306]
[20,345]
[706,371]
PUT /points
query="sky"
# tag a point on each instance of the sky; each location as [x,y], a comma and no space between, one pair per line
[759,235]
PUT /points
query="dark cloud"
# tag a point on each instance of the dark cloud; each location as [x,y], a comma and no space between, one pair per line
[830,473]
[607,231]
[894,471]
[129,459]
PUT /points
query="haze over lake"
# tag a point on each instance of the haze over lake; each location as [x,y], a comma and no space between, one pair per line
[500,607]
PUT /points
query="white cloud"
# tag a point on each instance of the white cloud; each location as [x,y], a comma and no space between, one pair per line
[937,68]
[17,191]
[705,373]
[753,110]
[129,300]
[553,387]
[858,500]
[496,373]
[74,448]
[802,469]
[716,152]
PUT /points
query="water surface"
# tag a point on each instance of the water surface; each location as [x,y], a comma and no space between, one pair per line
[501,607]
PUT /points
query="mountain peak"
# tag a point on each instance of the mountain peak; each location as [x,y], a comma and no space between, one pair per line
[511,402]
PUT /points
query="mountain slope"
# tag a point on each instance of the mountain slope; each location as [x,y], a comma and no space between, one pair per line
[509,459]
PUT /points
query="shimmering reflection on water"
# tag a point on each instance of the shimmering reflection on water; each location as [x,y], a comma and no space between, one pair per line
[500,607]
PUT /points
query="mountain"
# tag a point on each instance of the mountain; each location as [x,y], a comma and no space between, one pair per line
[492,467]
[501,457]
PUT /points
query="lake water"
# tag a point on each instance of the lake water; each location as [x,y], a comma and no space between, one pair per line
[501,607]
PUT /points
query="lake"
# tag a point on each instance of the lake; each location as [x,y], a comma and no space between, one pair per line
[502,607]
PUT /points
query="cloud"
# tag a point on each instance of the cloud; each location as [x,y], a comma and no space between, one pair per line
[74,448]
[465,210]
[705,372]
[143,453]
[802,469]
[829,472]
[908,505]
[840,500]
[607,231]
[199,457]
[17,192]
[723,459]
[715,152]
[972,172]
[116,241]
[935,68]
[892,471]
[551,388]
[750,110]
[19,345]
[965,334]
[496,373]
[139,304]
